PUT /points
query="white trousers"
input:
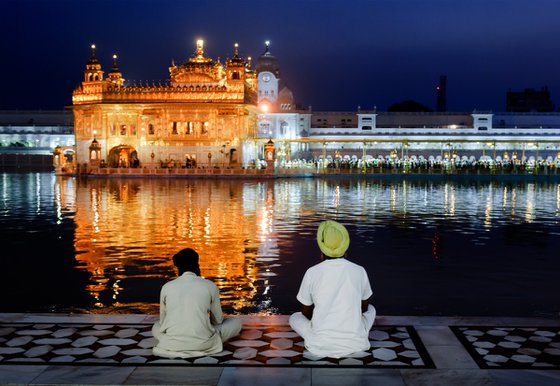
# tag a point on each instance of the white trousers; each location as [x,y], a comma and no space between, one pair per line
[302,325]
[229,328]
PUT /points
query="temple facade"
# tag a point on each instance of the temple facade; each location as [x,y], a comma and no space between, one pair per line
[206,114]
[231,116]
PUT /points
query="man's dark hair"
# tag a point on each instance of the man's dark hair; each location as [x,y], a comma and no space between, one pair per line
[187,260]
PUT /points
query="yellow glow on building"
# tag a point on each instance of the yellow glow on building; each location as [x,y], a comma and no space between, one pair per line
[204,106]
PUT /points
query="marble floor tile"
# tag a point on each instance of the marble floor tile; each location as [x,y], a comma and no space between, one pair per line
[451,357]
[524,347]
[169,375]
[357,377]
[265,376]
[19,374]
[447,378]
[93,375]
[526,377]
[436,335]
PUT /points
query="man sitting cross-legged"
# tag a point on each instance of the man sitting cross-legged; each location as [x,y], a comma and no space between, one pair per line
[336,317]
[191,321]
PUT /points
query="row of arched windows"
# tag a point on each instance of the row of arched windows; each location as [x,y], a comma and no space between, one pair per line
[190,127]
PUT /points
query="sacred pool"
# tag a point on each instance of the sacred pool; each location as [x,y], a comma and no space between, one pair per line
[431,247]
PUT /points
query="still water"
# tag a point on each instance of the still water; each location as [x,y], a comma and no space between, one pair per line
[430,247]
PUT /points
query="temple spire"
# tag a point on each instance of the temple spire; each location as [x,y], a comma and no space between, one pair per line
[93,59]
[115,75]
[200,48]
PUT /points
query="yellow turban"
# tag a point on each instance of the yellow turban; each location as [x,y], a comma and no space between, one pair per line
[333,238]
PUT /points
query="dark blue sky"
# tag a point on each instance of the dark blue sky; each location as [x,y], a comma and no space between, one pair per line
[334,55]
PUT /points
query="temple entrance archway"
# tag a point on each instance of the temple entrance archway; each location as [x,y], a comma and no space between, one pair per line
[123,156]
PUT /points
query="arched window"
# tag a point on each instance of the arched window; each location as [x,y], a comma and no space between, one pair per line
[151,130]
[235,75]
[284,127]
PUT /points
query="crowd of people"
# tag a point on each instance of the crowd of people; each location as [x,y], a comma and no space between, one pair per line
[421,163]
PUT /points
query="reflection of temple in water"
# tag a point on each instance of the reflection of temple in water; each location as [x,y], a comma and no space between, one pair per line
[128,230]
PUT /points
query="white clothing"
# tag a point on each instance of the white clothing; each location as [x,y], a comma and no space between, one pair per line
[336,288]
[191,321]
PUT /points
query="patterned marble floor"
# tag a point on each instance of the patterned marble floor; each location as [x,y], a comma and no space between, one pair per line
[257,345]
[512,347]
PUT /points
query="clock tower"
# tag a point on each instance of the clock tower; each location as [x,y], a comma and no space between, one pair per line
[268,77]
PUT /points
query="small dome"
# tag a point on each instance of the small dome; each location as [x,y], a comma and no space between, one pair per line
[285,96]
[93,58]
[268,62]
[115,68]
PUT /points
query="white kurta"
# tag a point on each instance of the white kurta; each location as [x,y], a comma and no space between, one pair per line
[185,329]
[336,288]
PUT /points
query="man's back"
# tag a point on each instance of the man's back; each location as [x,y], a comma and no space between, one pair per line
[336,288]
[185,322]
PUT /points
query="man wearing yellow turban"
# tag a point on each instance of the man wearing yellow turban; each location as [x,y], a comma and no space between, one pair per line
[336,317]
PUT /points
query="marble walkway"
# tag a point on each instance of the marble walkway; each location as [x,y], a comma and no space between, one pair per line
[116,349]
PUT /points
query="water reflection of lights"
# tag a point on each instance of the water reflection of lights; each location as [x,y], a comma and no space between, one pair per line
[530,206]
[558,200]
[58,203]
[336,198]
[38,192]
[267,253]
[393,200]
[95,210]
[137,240]
[513,201]
[239,228]
[488,212]
[405,196]
[207,226]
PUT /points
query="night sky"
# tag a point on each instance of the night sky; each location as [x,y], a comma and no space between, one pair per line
[334,55]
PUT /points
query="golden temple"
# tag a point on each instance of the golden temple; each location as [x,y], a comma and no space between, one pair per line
[202,115]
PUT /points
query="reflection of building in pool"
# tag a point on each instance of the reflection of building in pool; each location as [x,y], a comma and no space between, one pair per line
[127,231]
[204,114]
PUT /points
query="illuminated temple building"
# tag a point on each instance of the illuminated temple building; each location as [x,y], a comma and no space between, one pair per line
[210,114]
[204,114]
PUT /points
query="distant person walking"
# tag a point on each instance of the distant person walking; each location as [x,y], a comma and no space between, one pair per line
[335,316]
[191,322]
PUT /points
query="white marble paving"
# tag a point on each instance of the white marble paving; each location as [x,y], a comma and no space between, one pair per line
[335,377]
[20,374]
[265,376]
[443,347]
[93,375]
